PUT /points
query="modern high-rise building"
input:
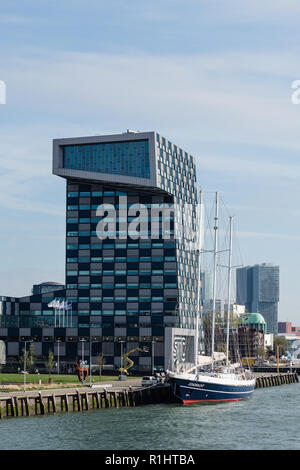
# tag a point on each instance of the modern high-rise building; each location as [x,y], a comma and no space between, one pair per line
[131,261]
[257,287]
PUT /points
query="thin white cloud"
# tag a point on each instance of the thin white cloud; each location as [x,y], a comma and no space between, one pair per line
[16,20]
[249,167]
[216,96]
[282,236]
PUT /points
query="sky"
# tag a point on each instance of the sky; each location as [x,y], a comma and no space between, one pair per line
[213,77]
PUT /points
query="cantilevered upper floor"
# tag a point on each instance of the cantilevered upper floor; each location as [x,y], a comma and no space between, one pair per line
[141,159]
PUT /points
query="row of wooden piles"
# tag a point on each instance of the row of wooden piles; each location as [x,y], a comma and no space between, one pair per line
[277,379]
[40,404]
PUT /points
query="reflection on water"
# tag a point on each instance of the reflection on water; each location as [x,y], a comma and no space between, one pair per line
[248,424]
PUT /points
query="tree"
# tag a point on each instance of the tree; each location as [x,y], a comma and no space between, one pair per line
[282,343]
[31,358]
[49,364]
[28,355]
[100,361]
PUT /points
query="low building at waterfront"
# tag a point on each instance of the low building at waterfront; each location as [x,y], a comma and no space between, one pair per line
[46,287]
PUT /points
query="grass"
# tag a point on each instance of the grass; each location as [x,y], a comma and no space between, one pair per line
[61,378]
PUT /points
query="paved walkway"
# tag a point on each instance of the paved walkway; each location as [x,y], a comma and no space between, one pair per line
[55,388]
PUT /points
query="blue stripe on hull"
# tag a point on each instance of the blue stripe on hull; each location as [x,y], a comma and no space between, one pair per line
[192,392]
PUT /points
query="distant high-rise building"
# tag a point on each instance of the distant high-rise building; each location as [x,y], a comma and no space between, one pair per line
[206,285]
[208,306]
[285,327]
[257,287]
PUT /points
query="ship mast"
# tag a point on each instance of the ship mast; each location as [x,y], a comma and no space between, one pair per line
[229,287]
[216,229]
[200,239]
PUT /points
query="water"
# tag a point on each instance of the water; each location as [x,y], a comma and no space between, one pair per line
[269,420]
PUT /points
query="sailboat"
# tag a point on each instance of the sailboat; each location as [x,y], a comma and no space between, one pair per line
[209,380]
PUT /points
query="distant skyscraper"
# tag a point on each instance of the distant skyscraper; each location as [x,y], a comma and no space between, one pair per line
[257,287]
[206,285]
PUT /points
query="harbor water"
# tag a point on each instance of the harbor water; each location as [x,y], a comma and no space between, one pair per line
[270,420]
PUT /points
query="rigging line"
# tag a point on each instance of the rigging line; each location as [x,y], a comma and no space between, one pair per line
[209,216]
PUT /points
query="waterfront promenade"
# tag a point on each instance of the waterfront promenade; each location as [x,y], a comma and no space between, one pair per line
[31,389]
[110,394]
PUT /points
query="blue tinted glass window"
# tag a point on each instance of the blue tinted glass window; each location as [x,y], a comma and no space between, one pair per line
[119,158]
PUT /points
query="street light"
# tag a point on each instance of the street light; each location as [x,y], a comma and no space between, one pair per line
[82,356]
[25,342]
[153,343]
[58,341]
[122,341]
[91,342]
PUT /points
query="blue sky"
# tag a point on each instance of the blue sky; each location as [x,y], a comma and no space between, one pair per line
[213,77]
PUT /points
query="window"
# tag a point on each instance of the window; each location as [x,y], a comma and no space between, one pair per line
[143,285]
[108,286]
[72,247]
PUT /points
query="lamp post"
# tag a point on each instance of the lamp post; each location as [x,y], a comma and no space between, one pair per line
[25,342]
[82,355]
[122,341]
[91,342]
[58,341]
[153,343]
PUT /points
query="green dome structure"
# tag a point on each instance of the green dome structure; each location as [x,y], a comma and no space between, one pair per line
[254,320]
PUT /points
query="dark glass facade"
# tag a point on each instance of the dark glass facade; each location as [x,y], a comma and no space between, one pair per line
[114,158]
